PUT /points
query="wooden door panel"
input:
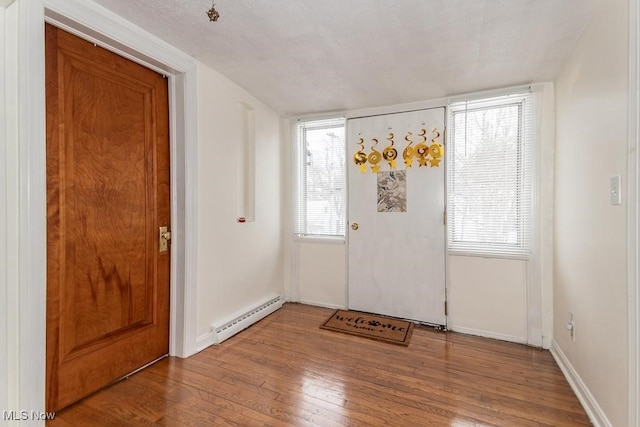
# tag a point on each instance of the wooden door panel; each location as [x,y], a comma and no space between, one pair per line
[108,192]
[106,220]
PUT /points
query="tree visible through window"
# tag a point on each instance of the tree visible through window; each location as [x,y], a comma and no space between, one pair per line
[321,186]
[489,191]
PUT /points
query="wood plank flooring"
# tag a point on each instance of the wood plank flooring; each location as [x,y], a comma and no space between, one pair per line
[285,371]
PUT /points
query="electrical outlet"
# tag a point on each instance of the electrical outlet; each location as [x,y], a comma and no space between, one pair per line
[615,191]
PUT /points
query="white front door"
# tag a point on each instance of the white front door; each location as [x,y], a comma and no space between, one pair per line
[396,216]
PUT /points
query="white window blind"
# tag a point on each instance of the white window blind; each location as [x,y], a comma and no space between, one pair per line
[320,178]
[490,167]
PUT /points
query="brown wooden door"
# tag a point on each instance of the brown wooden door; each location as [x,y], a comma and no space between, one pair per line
[107,194]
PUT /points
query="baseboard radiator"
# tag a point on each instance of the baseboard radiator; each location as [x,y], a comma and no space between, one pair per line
[243,321]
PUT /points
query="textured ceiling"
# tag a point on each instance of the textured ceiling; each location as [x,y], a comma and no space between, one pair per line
[304,56]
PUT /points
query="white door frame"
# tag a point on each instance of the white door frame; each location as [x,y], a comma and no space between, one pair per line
[633,218]
[24,283]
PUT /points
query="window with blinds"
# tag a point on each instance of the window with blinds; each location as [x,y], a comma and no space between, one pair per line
[489,207]
[320,178]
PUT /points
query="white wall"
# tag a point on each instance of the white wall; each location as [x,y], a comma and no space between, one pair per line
[322,273]
[488,297]
[239,264]
[590,234]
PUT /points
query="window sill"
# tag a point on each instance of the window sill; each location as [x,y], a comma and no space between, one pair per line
[491,255]
[337,240]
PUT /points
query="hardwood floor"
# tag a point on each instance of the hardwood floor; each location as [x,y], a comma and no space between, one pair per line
[286,371]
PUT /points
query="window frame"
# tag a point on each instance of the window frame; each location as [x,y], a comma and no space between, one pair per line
[525,178]
[300,168]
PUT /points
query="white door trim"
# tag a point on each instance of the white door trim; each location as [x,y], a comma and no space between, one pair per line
[633,219]
[25,206]
[4,317]
[26,182]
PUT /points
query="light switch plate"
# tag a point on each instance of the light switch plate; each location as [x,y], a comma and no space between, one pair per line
[614,190]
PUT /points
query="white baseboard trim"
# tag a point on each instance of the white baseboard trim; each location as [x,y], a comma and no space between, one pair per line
[205,340]
[487,334]
[322,304]
[595,413]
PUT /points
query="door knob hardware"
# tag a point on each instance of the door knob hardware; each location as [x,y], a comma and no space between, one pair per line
[164,237]
[354,226]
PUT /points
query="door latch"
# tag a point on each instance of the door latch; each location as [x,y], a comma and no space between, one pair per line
[164,238]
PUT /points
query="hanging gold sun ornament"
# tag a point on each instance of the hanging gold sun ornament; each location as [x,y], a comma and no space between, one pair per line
[422,149]
[409,151]
[389,153]
[436,149]
[213,13]
[374,157]
[360,157]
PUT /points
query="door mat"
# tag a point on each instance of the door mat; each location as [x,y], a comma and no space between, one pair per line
[369,325]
